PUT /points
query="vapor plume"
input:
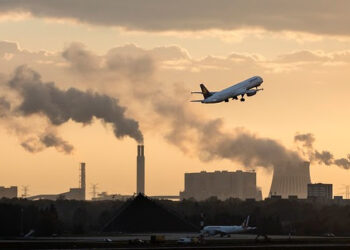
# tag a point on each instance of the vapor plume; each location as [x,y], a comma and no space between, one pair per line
[50,139]
[199,135]
[5,106]
[191,132]
[60,106]
[322,157]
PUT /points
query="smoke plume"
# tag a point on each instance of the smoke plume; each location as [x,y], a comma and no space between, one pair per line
[322,157]
[60,106]
[175,118]
[5,106]
[46,140]
[198,135]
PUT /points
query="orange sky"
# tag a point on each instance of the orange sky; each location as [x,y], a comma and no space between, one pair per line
[304,66]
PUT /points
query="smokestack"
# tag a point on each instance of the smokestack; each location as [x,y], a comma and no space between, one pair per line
[82,180]
[140,182]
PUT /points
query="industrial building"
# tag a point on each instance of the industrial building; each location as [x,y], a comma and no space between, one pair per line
[140,169]
[222,184]
[73,193]
[319,191]
[291,180]
[10,192]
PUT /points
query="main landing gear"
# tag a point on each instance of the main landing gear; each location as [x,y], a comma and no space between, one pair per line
[242,99]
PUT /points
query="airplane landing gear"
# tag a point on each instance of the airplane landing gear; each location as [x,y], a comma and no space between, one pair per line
[242,99]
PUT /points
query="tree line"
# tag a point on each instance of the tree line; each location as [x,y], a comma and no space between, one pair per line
[71,217]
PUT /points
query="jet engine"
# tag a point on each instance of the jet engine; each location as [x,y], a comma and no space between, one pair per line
[251,92]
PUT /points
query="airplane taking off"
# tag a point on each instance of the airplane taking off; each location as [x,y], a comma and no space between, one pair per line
[227,230]
[240,89]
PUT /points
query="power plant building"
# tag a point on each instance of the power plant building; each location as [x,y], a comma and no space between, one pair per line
[221,184]
[319,191]
[10,192]
[140,170]
[291,180]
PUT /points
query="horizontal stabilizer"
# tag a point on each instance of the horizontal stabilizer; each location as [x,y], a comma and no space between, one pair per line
[196,92]
[196,100]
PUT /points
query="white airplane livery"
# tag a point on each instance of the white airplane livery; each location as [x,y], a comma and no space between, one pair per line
[227,230]
[247,87]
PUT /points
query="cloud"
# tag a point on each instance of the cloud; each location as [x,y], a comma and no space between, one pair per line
[313,16]
[128,61]
[82,59]
[177,121]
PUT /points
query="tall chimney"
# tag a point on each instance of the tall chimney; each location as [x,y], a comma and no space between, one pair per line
[140,182]
[82,180]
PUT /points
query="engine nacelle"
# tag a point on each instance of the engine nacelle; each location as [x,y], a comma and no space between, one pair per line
[251,92]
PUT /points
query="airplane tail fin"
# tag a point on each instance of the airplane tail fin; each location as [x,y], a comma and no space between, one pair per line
[245,223]
[205,91]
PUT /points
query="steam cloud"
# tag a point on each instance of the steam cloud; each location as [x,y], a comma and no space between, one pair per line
[323,157]
[182,126]
[60,106]
[189,130]
[4,106]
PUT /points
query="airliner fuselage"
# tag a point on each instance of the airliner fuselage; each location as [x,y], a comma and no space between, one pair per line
[247,87]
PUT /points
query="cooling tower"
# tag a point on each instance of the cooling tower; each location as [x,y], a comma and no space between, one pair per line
[291,180]
[140,169]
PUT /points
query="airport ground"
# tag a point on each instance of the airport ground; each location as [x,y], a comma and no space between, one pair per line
[142,241]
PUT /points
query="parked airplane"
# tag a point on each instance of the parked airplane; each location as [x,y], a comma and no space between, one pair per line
[240,89]
[227,230]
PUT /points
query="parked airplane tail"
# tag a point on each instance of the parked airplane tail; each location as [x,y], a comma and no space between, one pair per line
[205,91]
[245,223]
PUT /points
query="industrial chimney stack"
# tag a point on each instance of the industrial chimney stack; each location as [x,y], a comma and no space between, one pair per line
[82,180]
[140,182]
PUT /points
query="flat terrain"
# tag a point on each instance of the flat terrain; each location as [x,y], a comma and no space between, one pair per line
[137,241]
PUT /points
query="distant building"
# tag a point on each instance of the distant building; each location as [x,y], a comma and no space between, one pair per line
[320,191]
[10,192]
[73,193]
[222,184]
[105,196]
